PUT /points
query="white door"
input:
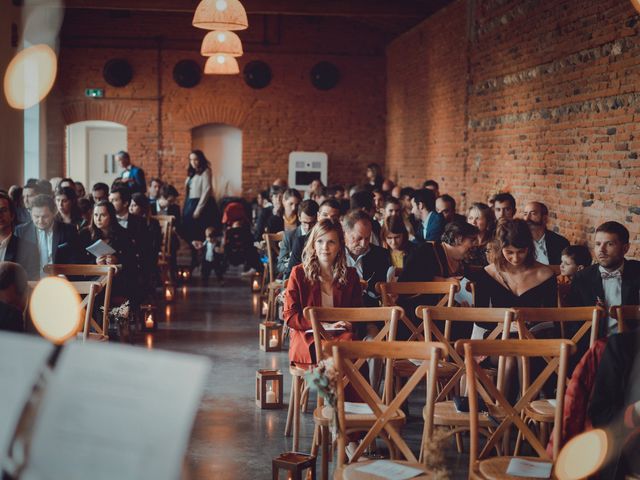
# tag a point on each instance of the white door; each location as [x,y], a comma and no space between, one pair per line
[222,145]
[102,146]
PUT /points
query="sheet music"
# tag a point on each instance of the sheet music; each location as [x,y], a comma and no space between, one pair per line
[114,411]
[520,467]
[100,248]
[390,470]
[22,357]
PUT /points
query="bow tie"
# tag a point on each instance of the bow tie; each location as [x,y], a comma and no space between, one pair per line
[607,275]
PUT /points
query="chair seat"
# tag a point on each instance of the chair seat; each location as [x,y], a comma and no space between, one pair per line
[496,468]
[445,413]
[352,472]
[355,421]
[405,368]
[540,411]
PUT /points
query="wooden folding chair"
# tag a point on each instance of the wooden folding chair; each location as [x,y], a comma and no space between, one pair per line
[164,259]
[272,241]
[628,317]
[445,413]
[481,466]
[345,356]
[323,315]
[541,412]
[90,289]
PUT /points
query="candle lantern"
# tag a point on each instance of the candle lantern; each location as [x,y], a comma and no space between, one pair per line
[269,389]
[169,291]
[270,336]
[265,308]
[184,274]
[255,284]
[149,318]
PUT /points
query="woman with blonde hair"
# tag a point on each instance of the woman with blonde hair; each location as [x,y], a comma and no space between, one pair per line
[323,279]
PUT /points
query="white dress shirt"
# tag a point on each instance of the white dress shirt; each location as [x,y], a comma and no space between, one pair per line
[612,286]
[123,221]
[45,248]
[356,263]
[4,244]
[541,250]
[425,222]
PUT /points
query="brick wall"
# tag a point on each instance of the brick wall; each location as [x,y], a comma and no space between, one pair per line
[347,122]
[550,111]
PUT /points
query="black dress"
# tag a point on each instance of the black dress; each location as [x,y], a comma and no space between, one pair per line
[491,293]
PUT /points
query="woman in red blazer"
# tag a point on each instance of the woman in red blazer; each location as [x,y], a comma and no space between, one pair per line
[321,280]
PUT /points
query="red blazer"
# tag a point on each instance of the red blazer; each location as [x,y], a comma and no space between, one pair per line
[301,293]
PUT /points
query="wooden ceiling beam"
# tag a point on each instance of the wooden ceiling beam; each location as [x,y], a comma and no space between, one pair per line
[335,8]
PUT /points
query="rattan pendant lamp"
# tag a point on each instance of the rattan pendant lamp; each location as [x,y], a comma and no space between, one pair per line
[220,15]
[221,65]
[220,42]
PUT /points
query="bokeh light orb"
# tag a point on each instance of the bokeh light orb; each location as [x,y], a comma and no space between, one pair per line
[55,309]
[582,456]
[30,76]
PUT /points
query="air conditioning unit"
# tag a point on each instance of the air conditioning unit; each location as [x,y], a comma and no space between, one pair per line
[305,167]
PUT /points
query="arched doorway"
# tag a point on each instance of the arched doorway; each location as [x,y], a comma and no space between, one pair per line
[91,149]
[222,145]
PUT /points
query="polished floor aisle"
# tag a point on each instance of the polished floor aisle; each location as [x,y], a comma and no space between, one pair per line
[233,438]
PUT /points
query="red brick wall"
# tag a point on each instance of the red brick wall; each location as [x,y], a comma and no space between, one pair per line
[347,122]
[551,107]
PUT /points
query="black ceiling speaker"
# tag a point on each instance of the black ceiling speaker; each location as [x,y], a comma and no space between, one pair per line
[117,72]
[325,76]
[187,73]
[257,74]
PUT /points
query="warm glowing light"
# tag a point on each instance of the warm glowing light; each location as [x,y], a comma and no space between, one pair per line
[167,313]
[169,292]
[221,37]
[220,15]
[636,5]
[30,76]
[149,341]
[219,42]
[221,65]
[55,309]
[582,456]
[149,321]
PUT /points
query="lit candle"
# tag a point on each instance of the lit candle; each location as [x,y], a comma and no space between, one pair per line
[271,395]
[256,286]
[149,321]
[273,341]
[168,294]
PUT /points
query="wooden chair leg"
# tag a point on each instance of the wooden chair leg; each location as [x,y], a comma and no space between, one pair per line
[324,467]
[459,444]
[296,412]
[304,401]
[288,425]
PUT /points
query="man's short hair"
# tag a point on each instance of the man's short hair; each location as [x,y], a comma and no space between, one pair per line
[407,192]
[12,205]
[617,229]
[354,216]
[505,197]
[334,189]
[309,207]
[125,192]
[426,197]
[543,208]
[431,183]
[455,232]
[13,274]
[167,191]
[449,199]
[291,192]
[123,154]
[100,187]
[391,201]
[44,201]
[331,202]
[362,200]
[580,254]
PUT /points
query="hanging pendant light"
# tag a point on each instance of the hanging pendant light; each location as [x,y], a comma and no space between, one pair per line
[221,65]
[221,42]
[220,15]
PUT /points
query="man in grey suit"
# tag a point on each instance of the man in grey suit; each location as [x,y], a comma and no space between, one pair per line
[308,216]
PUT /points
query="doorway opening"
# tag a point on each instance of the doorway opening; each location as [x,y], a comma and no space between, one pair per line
[91,151]
[222,145]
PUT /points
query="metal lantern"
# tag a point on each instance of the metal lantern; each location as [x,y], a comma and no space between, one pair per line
[270,336]
[149,318]
[269,385]
[169,292]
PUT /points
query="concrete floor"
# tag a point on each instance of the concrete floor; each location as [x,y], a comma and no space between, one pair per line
[232,438]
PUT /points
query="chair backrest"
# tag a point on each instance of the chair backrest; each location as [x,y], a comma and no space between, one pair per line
[389,315]
[498,318]
[499,408]
[166,227]
[389,292]
[628,316]
[344,354]
[105,274]
[272,241]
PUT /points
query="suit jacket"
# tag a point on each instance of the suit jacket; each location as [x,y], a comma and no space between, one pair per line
[555,245]
[136,181]
[375,266]
[435,227]
[285,250]
[11,319]
[64,237]
[296,253]
[25,253]
[301,293]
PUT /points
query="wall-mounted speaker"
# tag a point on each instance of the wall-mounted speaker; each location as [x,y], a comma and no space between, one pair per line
[325,75]
[257,74]
[117,72]
[187,73]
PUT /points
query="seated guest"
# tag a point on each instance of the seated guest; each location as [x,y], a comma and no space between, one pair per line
[64,182]
[339,193]
[54,239]
[120,198]
[387,186]
[430,224]
[392,208]
[395,238]
[12,248]
[405,196]
[378,205]
[287,219]
[85,208]
[433,186]
[22,214]
[80,191]
[67,203]
[613,280]
[13,296]
[154,190]
[504,207]
[263,214]
[363,200]
[549,245]
[151,242]
[319,195]
[29,192]
[322,280]
[574,259]
[100,192]
[481,216]
[167,203]
[308,216]
[374,176]
[370,261]
[446,206]
[272,225]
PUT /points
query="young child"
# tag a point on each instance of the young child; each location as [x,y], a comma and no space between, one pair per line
[574,258]
[213,256]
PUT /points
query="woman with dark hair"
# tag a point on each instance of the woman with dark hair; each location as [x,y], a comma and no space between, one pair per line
[482,217]
[140,206]
[67,204]
[200,209]
[374,176]
[395,238]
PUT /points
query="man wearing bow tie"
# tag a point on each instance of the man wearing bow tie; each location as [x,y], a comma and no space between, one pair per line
[612,281]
